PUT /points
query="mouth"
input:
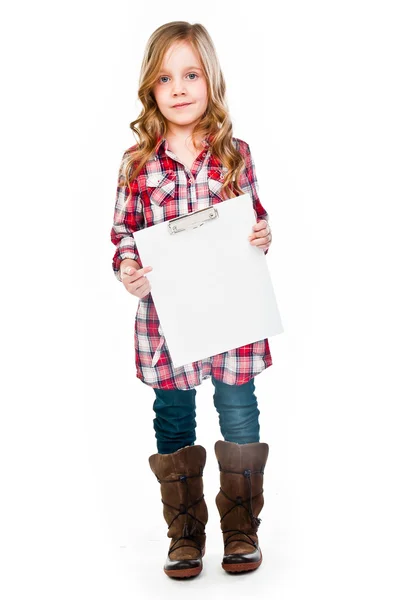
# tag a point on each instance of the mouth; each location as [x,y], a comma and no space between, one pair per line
[182,105]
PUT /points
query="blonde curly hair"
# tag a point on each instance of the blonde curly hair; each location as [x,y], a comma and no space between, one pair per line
[151,126]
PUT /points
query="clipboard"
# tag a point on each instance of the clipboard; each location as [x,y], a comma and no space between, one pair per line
[211,288]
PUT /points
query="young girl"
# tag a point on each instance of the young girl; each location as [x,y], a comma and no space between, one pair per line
[186,159]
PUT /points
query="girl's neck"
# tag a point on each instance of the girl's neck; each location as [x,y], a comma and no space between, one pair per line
[182,137]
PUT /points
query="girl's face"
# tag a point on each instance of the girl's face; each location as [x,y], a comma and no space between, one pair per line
[181,80]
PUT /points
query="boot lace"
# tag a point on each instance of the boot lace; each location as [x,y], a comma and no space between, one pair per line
[187,534]
[238,501]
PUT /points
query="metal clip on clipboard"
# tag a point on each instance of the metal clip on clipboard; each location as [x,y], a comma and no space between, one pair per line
[192,220]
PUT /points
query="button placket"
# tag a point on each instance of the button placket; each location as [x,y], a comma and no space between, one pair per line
[192,192]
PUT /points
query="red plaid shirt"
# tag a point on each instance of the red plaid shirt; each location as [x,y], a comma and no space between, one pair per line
[164,189]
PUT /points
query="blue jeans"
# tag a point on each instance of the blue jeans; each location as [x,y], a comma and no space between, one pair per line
[175,422]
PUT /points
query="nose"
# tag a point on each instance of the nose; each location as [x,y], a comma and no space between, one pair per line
[178,88]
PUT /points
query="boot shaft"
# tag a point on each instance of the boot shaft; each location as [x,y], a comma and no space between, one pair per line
[180,475]
[240,499]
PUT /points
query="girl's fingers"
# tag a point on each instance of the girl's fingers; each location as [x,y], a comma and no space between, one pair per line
[140,272]
[264,232]
[140,284]
[259,241]
[260,225]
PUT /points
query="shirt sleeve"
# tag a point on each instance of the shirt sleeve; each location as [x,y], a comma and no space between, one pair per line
[128,218]
[249,184]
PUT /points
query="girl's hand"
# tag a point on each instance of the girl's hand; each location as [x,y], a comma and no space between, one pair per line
[135,281]
[261,235]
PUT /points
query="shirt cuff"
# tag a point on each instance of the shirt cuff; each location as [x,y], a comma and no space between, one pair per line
[120,258]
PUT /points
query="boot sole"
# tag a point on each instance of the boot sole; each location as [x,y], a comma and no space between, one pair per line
[239,567]
[183,573]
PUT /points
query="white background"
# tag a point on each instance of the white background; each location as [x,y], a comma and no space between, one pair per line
[313,87]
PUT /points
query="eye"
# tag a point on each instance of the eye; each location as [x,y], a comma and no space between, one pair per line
[166,77]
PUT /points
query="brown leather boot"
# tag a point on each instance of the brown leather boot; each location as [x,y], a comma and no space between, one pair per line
[239,502]
[185,511]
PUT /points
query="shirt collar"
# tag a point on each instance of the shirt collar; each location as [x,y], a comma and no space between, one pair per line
[162,144]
